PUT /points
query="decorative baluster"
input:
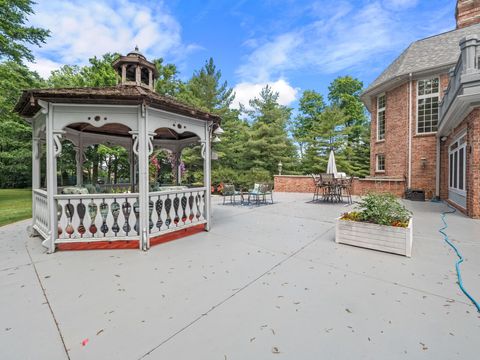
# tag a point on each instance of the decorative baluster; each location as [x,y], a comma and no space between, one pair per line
[103,214]
[126,210]
[176,205]
[190,205]
[59,218]
[184,206]
[158,209]
[115,208]
[92,211]
[136,211]
[197,203]
[69,212]
[81,210]
[168,206]
[150,212]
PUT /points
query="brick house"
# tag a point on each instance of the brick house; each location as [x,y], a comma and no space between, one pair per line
[425,111]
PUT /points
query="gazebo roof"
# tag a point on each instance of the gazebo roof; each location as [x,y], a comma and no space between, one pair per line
[28,105]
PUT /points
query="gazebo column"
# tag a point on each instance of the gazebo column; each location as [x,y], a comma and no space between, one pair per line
[207,155]
[54,148]
[144,149]
[36,157]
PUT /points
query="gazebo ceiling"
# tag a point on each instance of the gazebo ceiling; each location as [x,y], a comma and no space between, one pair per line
[122,130]
[28,105]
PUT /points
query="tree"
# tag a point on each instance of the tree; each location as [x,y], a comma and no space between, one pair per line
[344,92]
[15,133]
[99,72]
[326,136]
[14,35]
[269,143]
[168,82]
[206,91]
[311,105]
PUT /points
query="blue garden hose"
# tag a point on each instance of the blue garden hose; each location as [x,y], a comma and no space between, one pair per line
[460,257]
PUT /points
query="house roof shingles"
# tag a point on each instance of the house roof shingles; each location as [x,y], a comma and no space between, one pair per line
[28,106]
[430,53]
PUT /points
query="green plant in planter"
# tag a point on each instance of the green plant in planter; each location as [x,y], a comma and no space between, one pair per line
[382,209]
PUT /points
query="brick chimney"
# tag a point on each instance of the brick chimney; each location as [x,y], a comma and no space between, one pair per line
[467,13]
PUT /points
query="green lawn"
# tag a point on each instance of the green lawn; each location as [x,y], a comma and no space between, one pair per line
[15,205]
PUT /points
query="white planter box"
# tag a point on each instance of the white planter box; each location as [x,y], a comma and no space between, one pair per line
[392,239]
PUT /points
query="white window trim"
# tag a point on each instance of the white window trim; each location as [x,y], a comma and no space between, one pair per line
[464,146]
[419,97]
[376,163]
[378,112]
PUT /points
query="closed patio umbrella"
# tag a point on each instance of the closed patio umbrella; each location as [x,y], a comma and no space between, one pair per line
[332,167]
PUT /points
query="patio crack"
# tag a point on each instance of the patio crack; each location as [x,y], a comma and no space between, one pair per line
[48,302]
[198,318]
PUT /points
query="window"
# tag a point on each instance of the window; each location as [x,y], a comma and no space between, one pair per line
[381,105]
[457,165]
[380,162]
[427,105]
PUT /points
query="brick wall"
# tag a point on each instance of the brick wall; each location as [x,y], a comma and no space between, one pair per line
[395,145]
[304,184]
[467,13]
[294,183]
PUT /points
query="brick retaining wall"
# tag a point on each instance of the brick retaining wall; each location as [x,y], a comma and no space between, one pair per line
[304,184]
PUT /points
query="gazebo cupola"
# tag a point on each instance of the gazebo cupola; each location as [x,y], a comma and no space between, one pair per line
[135,69]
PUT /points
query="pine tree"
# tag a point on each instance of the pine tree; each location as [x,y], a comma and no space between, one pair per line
[344,92]
[269,143]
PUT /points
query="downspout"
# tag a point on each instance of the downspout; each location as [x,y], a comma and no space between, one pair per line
[437,169]
[410,110]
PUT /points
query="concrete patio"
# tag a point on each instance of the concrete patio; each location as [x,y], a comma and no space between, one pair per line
[267,282]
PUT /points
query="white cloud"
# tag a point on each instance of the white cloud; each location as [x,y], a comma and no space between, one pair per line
[246,91]
[44,66]
[81,29]
[341,37]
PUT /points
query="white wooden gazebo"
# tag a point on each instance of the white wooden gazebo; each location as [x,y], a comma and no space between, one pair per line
[132,115]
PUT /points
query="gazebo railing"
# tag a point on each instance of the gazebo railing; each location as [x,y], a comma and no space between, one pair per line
[97,217]
[40,210]
[176,209]
[115,217]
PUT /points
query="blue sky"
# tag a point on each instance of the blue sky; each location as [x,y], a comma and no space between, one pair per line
[291,45]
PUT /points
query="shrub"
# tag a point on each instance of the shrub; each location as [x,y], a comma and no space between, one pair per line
[382,209]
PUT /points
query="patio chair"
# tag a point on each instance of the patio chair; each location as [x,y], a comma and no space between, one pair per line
[229,191]
[329,187]
[346,188]
[317,182]
[267,190]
